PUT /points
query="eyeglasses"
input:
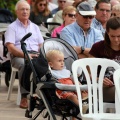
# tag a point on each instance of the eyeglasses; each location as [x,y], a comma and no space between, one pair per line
[102,10]
[62,1]
[88,16]
[71,15]
[24,9]
[42,4]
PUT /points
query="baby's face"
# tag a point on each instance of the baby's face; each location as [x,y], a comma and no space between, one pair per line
[58,62]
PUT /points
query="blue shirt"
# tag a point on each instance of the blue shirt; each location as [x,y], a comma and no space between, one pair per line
[74,35]
[16,31]
[54,11]
[96,24]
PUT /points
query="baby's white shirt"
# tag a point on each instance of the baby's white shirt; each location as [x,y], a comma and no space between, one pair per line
[59,74]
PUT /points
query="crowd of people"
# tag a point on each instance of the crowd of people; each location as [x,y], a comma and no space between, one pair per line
[91,27]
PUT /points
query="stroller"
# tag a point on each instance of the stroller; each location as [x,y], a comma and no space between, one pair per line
[45,85]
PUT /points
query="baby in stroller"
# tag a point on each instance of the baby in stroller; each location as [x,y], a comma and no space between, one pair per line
[46,85]
[55,60]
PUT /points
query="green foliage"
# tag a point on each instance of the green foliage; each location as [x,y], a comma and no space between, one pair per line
[9,4]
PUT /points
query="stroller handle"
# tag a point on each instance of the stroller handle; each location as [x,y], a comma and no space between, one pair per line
[25,37]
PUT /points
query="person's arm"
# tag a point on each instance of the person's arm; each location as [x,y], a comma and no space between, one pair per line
[79,52]
[14,51]
[54,33]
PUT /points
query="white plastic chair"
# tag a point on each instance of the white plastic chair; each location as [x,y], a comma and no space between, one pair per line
[116,77]
[12,80]
[95,89]
[48,21]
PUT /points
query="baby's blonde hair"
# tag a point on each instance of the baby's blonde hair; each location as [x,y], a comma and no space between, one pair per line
[52,53]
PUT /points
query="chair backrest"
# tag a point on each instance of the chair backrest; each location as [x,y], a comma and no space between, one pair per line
[95,82]
[116,77]
[50,22]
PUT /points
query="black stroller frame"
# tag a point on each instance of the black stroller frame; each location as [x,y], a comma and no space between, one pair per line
[43,103]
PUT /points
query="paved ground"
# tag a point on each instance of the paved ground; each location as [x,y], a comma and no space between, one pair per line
[8,109]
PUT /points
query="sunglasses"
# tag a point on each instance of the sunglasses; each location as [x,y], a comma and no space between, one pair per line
[70,15]
[88,16]
[42,4]
[62,1]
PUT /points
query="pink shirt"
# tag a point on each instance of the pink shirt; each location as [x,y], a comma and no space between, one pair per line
[57,30]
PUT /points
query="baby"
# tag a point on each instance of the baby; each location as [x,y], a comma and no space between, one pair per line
[55,60]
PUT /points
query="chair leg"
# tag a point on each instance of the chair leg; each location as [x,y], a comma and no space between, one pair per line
[0,78]
[12,79]
[18,96]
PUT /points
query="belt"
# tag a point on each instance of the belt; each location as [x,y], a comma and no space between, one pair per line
[33,52]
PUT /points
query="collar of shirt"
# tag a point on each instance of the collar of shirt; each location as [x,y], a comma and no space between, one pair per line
[19,22]
[96,21]
[80,29]
[98,25]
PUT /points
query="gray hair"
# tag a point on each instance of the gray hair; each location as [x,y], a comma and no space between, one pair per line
[19,2]
[116,7]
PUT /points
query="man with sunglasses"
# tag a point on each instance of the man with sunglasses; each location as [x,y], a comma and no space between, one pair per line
[61,5]
[80,34]
[103,13]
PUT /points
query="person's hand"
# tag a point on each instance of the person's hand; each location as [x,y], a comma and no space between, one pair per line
[107,82]
[33,56]
[84,93]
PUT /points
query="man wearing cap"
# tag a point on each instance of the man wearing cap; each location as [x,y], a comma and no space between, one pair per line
[80,34]
[103,13]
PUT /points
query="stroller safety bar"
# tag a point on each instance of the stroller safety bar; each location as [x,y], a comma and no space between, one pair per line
[70,87]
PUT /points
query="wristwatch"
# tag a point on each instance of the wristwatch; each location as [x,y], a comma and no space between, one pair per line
[82,49]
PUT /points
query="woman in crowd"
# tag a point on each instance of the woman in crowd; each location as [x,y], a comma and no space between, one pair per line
[40,12]
[110,49]
[115,10]
[68,15]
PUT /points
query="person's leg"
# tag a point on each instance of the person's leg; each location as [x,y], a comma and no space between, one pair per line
[109,94]
[19,64]
[73,98]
